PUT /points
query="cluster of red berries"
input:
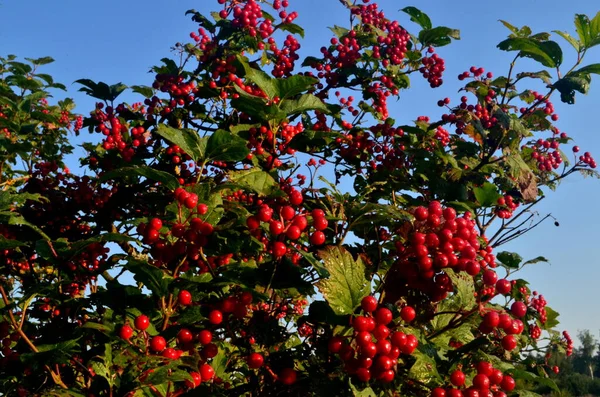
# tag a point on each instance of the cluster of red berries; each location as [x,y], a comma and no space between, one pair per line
[494,321]
[488,380]
[374,348]
[433,68]
[438,240]
[506,206]
[568,342]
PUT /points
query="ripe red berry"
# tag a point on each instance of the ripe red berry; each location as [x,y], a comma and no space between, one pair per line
[457,378]
[287,376]
[383,316]
[184,298]
[503,286]
[293,232]
[509,342]
[508,383]
[197,379]
[279,249]
[142,322]
[265,213]
[485,368]
[206,372]
[317,238]
[126,332]
[320,223]
[481,382]
[255,360]
[215,317]
[369,304]
[158,344]
[518,309]
[155,224]
[491,319]
[185,336]
[408,314]
[335,344]
[205,337]
[490,277]
[275,227]
[421,213]
[438,392]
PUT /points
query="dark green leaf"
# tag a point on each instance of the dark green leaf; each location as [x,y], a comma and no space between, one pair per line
[347,283]
[542,75]
[145,91]
[418,17]
[153,278]
[439,36]
[487,195]
[224,146]
[303,104]
[256,180]
[186,139]
[9,244]
[168,180]
[339,31]
[41,61]
[571,83]
[294,85]
[593,68]
[291,28]
[582,24]
[510,260]
[536,260]
[568,38]
[260,78]
[548,53]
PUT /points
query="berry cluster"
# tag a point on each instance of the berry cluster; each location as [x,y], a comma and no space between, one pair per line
[374,348]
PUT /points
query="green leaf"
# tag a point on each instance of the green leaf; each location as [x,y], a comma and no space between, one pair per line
[153,278]
[347,284]
[303,104]
[291,28]
[191,315]
[147,92]
[569,39]
[41,61]
[9,244]
[224,146]
[418,17]
[487,195]
[366,392]
[593,68]
[571,83]
[256,180]
[186,139]
[339,31]
[439,36]
[294,85]
[168,180]
[548,53]
[536,260]
[265,82]
[551,318]
[510,260]
[542,75]
[582,24]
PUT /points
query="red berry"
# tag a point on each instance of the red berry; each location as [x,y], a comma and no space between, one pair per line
[383,316]
[485,368]
[293,232]
[491,319]
[158,344]
[279,249]
[503,286]
[457,378]
[408,314]
[518,309]
[509,342]
[197,379]
[185,336]
[421,213]
[206,372]
[508,383]
[287,376]
[481,382]
[276,228]
[205,337]
[369,304]
[265,213]
[490,277]
[320,223]
[317,238]
[155,224]
[255,360]
[142,322]
[184,298]
[126,332]
[215,317]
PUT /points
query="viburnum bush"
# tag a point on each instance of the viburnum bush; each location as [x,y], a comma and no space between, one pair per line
[200,251]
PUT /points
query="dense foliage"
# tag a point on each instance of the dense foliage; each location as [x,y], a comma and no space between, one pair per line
[200,251]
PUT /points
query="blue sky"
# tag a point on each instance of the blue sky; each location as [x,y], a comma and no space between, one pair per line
[118,41]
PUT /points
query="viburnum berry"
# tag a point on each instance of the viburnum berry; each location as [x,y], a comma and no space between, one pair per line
[197,379]
[185,336]
[509,342]
[184,298]
[155,223]
[317,238]
[142,322]
[279,249]
[508,383]
[126,332]
[503,286]
[206,372]
[158,344]
[383,315]
[287,376]
[255,360]
[369,304]
[205,337]
[518,309]
[215,317]
[408,314]
[457,378]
